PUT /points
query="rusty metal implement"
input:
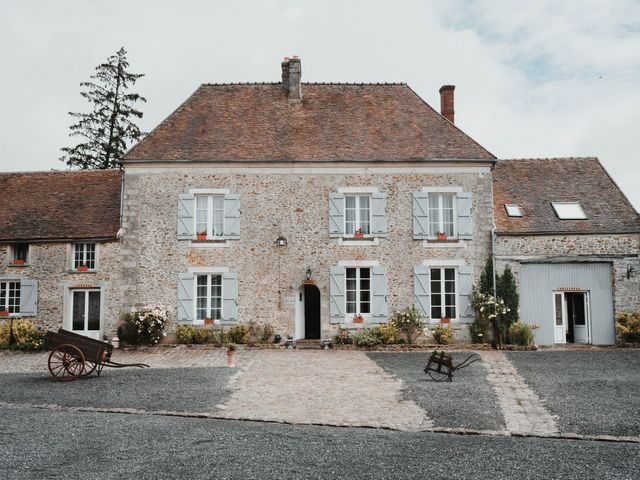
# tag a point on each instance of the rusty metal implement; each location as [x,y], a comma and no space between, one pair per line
[75,356]
[440,366]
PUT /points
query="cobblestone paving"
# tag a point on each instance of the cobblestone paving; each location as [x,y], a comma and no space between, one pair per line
[322,387]
[524,413]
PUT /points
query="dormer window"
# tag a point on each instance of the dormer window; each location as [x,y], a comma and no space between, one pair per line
[513,210]
[568,210]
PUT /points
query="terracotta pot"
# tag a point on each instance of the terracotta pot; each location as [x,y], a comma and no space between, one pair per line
[358,236]
[18,262]
[4,313]
[83,269]
[231,358]
[201,237]
[358,320]
[445,320]
[208,322]
[442,237]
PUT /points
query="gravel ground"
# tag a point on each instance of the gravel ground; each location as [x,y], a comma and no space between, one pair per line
[186,389]
[591,392]
[467,402]
[36,444]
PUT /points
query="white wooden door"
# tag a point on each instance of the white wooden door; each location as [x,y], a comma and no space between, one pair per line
[560,318]
[580,317]
[85,313]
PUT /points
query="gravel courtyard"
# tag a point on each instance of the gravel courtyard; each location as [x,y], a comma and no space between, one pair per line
[590,391]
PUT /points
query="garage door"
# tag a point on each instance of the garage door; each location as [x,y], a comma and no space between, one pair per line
[539,282]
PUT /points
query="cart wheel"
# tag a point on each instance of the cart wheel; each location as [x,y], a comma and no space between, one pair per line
[439,376]
[66,363]
[89,367]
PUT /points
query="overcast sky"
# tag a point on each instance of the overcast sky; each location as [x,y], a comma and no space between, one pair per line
[533,79]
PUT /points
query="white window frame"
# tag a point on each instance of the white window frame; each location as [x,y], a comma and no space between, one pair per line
[86,292]
[513,210]
[210,225]
[12,253]
[358,291]
[358,220]
[454,202]
[557,208]
[442,293]
[84,255]
[208,274]
[4,302]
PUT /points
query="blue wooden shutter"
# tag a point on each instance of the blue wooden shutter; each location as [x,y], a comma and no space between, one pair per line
[336,214]
[185,298]
[465,283]
[465,220]
[337,304]
[420,215]
[28,297]
[422,290]
[232,215]
[186,213]
[229,297]
[379,294]
[379,214]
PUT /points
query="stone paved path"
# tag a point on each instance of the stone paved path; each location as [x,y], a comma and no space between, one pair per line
[322,387]
[523,411]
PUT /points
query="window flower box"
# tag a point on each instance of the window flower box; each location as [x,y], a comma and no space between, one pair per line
[208,322]
[18,262]
[4,313]
[445,320]
[358,234]
[441,236]
[82,268]
[200,236]
[358,319]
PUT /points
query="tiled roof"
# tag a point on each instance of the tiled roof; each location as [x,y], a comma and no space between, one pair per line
[40,206]
[333,122]
[534,183]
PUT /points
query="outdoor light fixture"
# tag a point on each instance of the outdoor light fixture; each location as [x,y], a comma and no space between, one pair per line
[631,271]
[280,242]
[307,274]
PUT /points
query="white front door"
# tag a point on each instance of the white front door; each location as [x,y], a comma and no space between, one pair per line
[579,318]
[560,318]
[85,313]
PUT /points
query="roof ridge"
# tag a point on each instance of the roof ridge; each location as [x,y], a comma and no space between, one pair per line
[53,171]
[546,158]
[373,84]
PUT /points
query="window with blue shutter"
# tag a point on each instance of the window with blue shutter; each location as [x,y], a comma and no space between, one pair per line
[337,294]
[185,298]
[465,220]
[465,282]
[186,213]
[379,214]
[229,297]
[232,215]
[420,215]
[28,297]
[336,214]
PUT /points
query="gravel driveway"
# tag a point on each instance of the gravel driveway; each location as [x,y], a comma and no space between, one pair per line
[467,402]
[591,392]
[186,389]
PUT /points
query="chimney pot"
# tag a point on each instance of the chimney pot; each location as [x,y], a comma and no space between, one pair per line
[291,78]
[446,102]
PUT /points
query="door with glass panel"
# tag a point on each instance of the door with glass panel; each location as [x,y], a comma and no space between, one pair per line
[85,313]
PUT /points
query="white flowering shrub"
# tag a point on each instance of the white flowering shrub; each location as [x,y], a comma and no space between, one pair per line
[487,309]
[408,322]
[145,326]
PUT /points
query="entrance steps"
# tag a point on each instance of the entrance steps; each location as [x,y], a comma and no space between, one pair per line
[308,344]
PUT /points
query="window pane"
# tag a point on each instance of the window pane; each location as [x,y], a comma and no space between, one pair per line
[365,273]
[449,274]
[20,251]
[451,312]
[202,204]
[351,273]
[14,297]
[434,215]
[365,307]
[93,322]
[364,214]
[78,255]
[435,274]
[350,214]
[78,311]
[90,255]
[436,312]
[218,216]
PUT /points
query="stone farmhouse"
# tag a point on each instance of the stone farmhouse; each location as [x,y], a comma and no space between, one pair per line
[310,206]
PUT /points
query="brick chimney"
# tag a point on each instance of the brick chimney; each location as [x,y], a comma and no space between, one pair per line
[446,102]
[291,77]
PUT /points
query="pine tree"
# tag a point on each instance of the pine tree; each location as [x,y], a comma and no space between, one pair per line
[507,291]
[486,278]
[108,128]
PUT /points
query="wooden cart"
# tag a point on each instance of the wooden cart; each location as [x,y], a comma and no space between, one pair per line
[76,356]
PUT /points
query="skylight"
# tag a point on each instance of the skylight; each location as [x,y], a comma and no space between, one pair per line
[513,210]
[568,210]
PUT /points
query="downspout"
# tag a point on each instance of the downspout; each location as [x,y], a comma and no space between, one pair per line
[121,167]
[496,329]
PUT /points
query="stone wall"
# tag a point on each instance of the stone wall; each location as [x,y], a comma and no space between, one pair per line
[621,250]
[292,202]
[49,265]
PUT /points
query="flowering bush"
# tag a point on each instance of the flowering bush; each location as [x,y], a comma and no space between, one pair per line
[5,333]
[409,322]
[628,326]
[442,334]
[343,337]
[144,326]
[367,337]
[520,333]
[25,335]
[388,333]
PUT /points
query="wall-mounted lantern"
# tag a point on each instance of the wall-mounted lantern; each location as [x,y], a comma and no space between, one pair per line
[631,271]
[280,241]
[307,274]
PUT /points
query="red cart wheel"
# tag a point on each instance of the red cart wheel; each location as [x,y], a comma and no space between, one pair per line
[66,363]
[89,367]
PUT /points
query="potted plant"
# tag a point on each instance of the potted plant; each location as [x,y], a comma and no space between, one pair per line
[83,268]
[3,312]
[18,262]
[289,342]
[441,236]
[208,322]
[358,234]
[231,355]
[277,338]
[358,318]
[445,320]
[201,235]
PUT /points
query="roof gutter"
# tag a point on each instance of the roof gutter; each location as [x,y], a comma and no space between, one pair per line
[293,162]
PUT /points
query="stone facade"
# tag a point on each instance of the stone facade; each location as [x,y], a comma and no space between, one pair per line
[49,264]
[621,250]
[292,202]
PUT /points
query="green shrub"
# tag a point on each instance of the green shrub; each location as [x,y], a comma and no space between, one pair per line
[520,333]
[259,333]
[368,337]
[238,334]
[26,336]
[343,337]
[128,333]
[191,334]
[5,333]
[409,322]
[442,335]
[628,326]
[184,334]
[144,326]
[388,333]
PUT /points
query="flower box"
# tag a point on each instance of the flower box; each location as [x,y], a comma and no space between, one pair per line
[358,235]
[208,322]
[17,262]
[358,319]
[441,236]
[200,236]
[83,268]
[4,313]
[445,320]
